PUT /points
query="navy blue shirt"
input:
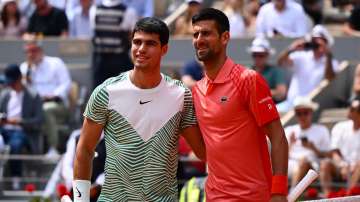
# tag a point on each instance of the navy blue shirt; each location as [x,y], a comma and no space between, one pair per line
[193,69]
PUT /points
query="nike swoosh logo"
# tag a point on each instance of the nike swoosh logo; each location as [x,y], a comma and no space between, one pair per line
[141,102]
[78,191]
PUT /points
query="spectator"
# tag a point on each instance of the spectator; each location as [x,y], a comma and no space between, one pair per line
[113,23]
[19,122]
[356,83]
[50,77]
[238,24]
[345,149]
[80,22]
[183,25]
[192,72]
[308,142]
[47,20]
[314,9]
[144,8]
[311,62]
[260,51]
[97,176]
[352,26]
[12,24]
[283,18]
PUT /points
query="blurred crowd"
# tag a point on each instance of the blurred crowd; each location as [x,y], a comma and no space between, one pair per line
[44,82]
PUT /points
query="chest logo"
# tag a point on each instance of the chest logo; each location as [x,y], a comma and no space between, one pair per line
[144,102]
[223,99]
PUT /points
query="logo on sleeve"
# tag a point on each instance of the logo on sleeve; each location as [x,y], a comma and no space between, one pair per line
[78,192]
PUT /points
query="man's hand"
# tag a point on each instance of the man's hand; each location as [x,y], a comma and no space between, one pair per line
[278,198]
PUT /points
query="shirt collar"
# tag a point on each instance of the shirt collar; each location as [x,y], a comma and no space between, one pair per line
[224,72]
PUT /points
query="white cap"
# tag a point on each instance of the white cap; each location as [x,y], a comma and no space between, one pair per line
[110,3]
[260,45]
[321,31]
[196,1]
[305,103]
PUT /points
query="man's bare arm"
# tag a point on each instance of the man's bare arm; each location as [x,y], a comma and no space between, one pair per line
[279,147]
[194,138]
[90,134]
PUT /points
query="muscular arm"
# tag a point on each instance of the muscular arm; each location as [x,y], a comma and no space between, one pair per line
[91,132]
[279,147]
[194,138]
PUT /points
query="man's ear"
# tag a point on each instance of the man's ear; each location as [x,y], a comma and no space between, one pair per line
[164,49]
[225,37]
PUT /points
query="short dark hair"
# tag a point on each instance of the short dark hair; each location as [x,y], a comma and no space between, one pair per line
[222,22]
[154,26]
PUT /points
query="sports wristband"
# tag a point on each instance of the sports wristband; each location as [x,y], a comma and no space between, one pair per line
[81,190]
[279,185]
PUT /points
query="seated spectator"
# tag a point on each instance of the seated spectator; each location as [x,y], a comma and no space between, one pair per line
[47,20]
[50,77]
[13,24]
[311,61]
[308,142]
[345,150]
[144,8]
[260,52]
[352,26]
[80,22]
[21,110]
[183,26]
[238,24]
[284,18]
[97,176]
[191,73]
[314,9]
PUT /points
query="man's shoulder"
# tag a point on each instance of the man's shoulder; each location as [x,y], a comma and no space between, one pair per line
[174,82]
[343,126]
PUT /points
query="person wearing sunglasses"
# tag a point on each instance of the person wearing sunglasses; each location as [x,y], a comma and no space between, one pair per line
[308,141]
[260,51]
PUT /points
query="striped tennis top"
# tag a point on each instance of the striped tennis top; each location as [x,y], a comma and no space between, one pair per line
[141,128]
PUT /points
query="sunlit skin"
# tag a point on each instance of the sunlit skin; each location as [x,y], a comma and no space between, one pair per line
[210,46]
[146,53]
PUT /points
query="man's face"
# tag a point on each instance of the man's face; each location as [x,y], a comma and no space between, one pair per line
[146,50]
[260,58]
[354,112]
[356,85]
[304,116]
[207,41]
[322,45]
[33,52]
[40,3]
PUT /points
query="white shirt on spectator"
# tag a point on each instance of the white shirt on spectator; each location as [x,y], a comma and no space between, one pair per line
[317,134]
[307,73]
[49,78]
[291,22]
[344,138]
[14,108]
[80,24]
[237,25]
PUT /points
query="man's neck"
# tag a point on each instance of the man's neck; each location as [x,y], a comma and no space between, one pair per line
[212,67]
[356,125]
[144,79]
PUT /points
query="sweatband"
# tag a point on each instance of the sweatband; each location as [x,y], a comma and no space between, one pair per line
[279,185]
[81,190]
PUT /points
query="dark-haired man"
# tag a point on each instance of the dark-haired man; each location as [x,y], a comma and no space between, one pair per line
[141,113]
[236,115]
